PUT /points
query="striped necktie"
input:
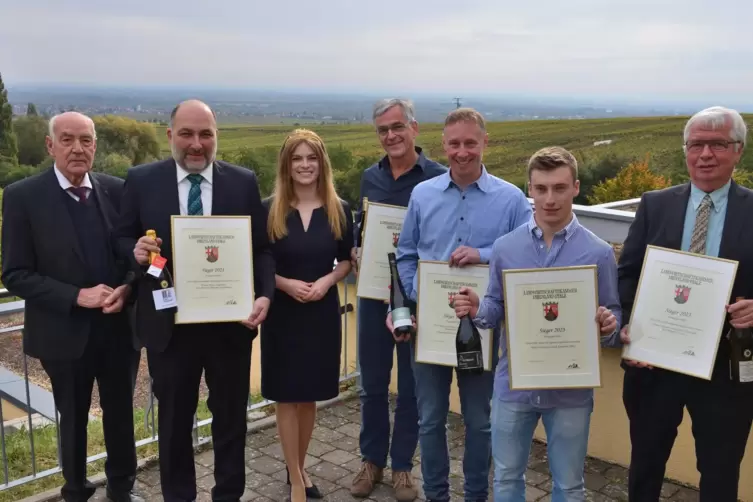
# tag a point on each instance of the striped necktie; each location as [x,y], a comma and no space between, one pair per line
[195,207]
[698,240]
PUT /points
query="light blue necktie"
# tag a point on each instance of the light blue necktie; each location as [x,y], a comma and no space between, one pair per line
[194,195]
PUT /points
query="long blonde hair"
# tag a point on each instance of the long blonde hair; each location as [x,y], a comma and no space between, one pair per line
[284,196]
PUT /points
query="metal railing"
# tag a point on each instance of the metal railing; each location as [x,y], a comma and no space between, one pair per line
[17,307]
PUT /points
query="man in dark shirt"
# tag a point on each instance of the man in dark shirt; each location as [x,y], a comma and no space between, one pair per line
[390,181]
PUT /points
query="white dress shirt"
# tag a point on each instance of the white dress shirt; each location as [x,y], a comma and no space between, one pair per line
[65,184]
[184,185]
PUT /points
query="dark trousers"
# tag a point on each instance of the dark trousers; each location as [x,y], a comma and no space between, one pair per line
[721,412]
[109,358]
[225,357]
[375,352]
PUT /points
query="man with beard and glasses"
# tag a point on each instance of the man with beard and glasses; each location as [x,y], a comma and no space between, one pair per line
[193,182]
[456,217]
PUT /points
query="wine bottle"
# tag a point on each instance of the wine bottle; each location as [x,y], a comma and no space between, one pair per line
[741,357]
[159,278]
[468,346]
[401,316]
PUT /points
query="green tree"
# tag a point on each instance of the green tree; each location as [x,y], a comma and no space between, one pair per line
[31,110]
[262,161]
[131,138]
[115,164]
[348,181]
[592,171]
[31,131]
[631,182]
[8,144]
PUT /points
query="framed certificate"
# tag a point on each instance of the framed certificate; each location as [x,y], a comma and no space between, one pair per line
[553,340]
[382,226]
[213,268]
[435,318]
[679,311]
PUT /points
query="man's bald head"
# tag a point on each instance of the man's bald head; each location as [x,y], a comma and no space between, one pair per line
[193,135]
[191,106]
[68,120]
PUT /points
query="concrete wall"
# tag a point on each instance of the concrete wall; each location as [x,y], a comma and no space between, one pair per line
[10,411]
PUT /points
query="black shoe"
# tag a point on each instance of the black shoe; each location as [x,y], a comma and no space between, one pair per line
[130,496]
[312,491]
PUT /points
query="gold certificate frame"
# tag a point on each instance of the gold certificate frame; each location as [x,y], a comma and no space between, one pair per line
[435,318]
[553,339]
[213,268]
[381,230]
[679,311]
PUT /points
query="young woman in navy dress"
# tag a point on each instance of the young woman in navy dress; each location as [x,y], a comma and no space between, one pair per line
[310,228]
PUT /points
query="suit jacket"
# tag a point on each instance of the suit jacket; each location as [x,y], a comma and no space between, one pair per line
[43,262]
[659,220]
[150,197]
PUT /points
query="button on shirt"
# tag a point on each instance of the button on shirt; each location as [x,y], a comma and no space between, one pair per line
[441,217]
[525,248]
[378,184]
[718,212]
[184,186]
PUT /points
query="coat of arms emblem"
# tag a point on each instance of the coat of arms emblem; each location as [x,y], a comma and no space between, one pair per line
[551,311]
[395,238]
[213,253]
[682,293]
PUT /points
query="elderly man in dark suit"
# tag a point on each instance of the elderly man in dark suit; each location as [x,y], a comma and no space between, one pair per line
[57,256]
[708,216]
[193,182]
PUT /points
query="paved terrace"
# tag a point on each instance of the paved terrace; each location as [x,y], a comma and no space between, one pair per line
[334,459]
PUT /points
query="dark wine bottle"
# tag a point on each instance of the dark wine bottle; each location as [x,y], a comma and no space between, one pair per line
[741,357]
[468,346]
[401,316]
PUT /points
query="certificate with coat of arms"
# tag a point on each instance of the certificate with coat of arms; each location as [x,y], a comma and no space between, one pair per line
[679,311]
[438,283]
[213,268]
[381,231]
[553,339]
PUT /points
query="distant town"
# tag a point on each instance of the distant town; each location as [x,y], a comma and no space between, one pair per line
[259,107]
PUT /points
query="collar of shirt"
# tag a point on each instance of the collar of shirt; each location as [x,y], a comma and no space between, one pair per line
[718,196]
[568,231]
[206,173]
[421,162]
[65,184]
[482,183]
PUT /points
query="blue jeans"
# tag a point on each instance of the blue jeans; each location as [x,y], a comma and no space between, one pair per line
[513,426]
[433,394]
[375,352]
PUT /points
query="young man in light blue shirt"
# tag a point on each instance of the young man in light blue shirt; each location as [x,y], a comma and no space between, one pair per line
[456,217]
[551,238]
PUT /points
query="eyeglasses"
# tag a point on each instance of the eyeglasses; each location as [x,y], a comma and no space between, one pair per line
[715,145]
[395,128]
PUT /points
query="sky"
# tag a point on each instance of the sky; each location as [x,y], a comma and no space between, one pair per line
[641,50]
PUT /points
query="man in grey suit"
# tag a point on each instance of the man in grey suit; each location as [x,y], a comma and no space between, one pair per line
[707,216]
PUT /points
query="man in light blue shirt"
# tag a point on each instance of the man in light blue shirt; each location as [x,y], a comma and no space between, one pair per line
[456,217]
[551,238]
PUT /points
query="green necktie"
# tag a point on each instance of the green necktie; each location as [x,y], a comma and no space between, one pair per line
[194,195]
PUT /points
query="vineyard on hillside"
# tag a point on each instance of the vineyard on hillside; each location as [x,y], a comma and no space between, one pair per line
[510,143]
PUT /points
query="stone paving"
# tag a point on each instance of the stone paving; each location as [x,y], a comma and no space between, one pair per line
[334,459]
